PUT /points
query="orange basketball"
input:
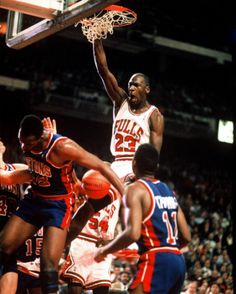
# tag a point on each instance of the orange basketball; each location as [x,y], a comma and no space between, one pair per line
[95,185]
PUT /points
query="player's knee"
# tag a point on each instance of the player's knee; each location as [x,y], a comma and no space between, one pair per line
[49,281]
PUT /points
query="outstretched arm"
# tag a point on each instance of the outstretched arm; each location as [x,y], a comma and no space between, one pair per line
[132,231]
[15,177]
[116,93]
[68,149]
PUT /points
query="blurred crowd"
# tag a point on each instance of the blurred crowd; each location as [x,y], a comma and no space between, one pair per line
[195,91]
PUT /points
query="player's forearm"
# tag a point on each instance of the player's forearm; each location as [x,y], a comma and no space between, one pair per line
[99,57]
[120,242]
[15,177]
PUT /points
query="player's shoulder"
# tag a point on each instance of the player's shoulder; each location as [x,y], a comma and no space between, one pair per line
[135,188]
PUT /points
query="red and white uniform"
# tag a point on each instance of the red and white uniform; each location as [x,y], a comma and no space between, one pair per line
[129,131]
[80,266]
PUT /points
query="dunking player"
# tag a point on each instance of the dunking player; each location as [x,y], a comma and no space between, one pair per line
[49,202]
[9,199]
[80,270]
[135,120]
[157,223]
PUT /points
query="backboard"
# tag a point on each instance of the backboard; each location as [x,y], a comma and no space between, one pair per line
[32,20]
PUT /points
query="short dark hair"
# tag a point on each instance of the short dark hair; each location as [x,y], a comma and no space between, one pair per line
[145,77]
[147,158]
[31,125]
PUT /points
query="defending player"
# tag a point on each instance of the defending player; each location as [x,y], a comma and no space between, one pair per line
[81,271]
[49,202]
[157,223]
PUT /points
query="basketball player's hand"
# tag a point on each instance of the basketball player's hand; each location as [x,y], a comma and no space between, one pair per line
[99,255]
[50,124]
[129,179]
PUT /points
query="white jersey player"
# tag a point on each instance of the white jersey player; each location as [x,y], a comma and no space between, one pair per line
[130,130]
[80,270]
[136,121]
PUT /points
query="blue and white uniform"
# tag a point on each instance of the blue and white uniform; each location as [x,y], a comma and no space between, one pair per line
[161,267]
[50,199]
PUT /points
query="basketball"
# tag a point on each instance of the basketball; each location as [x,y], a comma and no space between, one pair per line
[95,185]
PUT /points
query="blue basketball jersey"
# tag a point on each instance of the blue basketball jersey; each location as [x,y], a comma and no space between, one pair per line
[159,226]
[161,267]
[49,179]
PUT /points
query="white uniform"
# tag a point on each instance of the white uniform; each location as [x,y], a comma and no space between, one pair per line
[80,265]
[129,131]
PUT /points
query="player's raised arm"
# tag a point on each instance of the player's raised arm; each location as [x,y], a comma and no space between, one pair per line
[132,232]
[116,93]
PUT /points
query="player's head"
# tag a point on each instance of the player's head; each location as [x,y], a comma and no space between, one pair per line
[146,160]
[138,88]
[30,133]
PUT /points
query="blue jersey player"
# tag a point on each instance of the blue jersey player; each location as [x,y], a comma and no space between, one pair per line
[158,225]
[49,202]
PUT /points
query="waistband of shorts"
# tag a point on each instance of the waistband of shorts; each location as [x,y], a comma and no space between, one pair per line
[25,270]
[128,157]
[165,249]
[52,197]
[87,237]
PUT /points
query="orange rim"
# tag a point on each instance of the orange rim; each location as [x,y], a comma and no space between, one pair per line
[121,9]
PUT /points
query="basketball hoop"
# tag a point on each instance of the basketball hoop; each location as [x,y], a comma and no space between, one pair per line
[103,22]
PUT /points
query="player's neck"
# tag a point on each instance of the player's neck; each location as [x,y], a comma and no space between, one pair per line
[140,107]
[146,175]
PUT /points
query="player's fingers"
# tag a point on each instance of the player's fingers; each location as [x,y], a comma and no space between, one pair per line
[45,123]
[54,125]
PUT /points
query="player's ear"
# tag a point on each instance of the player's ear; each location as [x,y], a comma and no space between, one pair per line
[147,89]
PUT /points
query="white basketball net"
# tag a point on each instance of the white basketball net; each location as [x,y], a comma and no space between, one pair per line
[99,25]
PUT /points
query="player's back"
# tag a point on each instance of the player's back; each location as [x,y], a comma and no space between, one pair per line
[159,228]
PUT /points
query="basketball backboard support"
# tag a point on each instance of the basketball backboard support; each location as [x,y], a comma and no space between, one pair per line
[25,29]
[42,8]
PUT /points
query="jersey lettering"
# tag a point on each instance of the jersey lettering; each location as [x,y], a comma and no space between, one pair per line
[125,143]
[41,181]
[94,223]
[3,206]
[172,232]
[29,246]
